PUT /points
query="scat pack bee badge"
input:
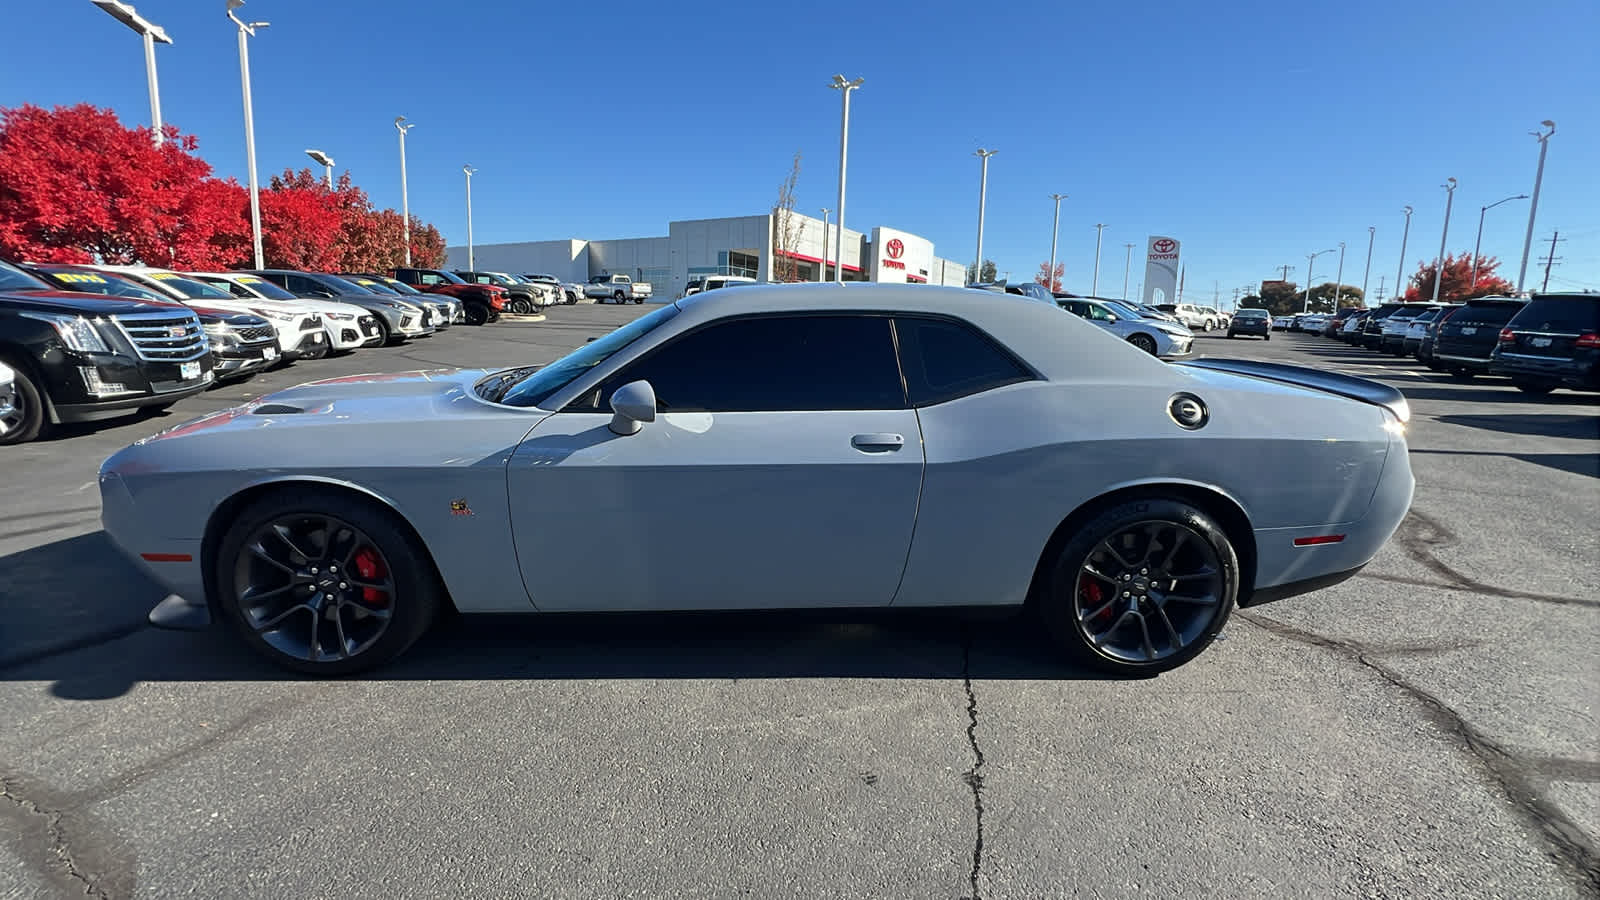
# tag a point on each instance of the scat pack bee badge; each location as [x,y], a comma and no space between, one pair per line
[460,508]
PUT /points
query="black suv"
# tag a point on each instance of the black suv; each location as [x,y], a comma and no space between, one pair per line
[80,357]
[1552,342]
[1464,341]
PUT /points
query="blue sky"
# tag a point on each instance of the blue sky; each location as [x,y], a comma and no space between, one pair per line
[1254,132]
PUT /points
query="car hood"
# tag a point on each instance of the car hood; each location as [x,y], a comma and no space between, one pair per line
[86,304]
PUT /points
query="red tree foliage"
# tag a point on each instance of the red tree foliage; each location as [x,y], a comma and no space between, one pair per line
[1457,284]
[1049,279]
[77,186]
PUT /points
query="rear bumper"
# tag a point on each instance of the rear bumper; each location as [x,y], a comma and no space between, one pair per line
[1456,361]
[1549,369]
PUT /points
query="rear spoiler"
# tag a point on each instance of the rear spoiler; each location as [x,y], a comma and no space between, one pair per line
[1364,389]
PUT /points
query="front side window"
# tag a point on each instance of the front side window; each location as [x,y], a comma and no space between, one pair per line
[769,364]
[944,360]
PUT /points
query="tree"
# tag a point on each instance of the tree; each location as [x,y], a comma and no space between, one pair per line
[1323,299]
[427,245]
[1252,301]
[76,185]
[300,223]
[1279,298]
[985,276]
[1457,283]
[1051,280]
[785,233]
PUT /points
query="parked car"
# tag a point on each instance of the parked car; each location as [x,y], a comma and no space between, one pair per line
[522,297]
[1430,333]
[988,450]
[1371,336]
[1335,322]
[1417,329]
[616,289]
[570,290]
[1192,317]
[1220,316]
[1251,321]
[242,343]
[1282,323]
[1155,338]
[1552,342]
[1350,331]
[1392,331]
[346,327]
[712,282]
[85,356]
[1308,323]
[446,310]
[483,303]
[396,320]
[1467,339]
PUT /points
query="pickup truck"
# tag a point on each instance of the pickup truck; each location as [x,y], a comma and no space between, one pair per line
[483,302]
[616,288]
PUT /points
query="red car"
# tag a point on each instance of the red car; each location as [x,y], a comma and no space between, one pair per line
[481,302]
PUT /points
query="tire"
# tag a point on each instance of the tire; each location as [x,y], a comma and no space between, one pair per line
[477,313]
[638,300]
[1230,335]
[572,298]
[385,334]
[1537,388]
[1267,336]
[1210,325]
[620,297]
[26,421]
[1144,342]
[411,594]
[520,306]
[1461,374]
[1073,600]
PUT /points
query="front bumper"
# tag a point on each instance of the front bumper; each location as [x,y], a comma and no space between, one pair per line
[173,563]
[144,384]
[243,359]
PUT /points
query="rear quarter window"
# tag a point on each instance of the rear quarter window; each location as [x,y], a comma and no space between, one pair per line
[944,360]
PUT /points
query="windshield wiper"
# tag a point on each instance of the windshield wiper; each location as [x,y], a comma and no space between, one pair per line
[498,385]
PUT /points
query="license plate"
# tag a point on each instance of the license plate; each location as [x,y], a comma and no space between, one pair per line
[1469,330]
[1540,342]
[269,354]
[189,371]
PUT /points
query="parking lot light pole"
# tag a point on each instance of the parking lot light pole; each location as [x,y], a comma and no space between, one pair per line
[326,161]
[1311,260]
[1127,263]
[983,195]
[247,31]
[1444,235]
[822,267]
[1372,233]
[1099,232]
[150,32]
[1400,276]
[1533,210]
[1055,230]
[844,88]
[1338,280]
[471,260]
[401,126]
[1477,245]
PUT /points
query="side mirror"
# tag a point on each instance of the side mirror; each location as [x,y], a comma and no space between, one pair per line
[632,405]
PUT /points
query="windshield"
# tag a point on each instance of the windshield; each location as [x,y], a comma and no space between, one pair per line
[450,277]
[530,387]
[400,287]
[188,287]
[14,279]
[265,288]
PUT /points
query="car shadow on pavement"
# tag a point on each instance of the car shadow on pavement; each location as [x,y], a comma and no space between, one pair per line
[1492,392]
[1576,463]
[1534,424]
[81,627]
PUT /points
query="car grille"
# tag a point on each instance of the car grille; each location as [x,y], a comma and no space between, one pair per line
[257,333]
[311,324]
[164,337]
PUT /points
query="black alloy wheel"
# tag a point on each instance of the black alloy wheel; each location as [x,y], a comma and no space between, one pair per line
[1537,388]
[477,313]
[1143,588]
[1144,342]
[324,583]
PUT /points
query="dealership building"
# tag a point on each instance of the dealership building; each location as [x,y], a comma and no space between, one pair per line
[741,245]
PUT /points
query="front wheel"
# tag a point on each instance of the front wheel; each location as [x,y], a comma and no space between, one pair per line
[21,409]
[1538,388]
[520,306]
[324,583]
[477,313]
[1142,588]
[1144,342]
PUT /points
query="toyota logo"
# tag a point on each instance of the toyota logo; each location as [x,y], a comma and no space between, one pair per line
[1163,245]
[896,248]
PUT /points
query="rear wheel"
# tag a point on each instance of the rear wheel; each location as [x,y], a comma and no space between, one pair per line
[620,297]
[1535,387]
[21,408]
[324,583]
[1143,588]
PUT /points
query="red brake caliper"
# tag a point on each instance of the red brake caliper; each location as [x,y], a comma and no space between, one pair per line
[1092,595]
[370,567]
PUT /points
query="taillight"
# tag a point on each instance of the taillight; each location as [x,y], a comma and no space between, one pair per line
[1507,336]
[1590,341]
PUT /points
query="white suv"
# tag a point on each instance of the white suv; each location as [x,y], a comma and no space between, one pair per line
[1197,317]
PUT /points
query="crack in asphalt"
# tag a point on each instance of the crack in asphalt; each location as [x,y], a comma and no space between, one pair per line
[974,775]
[1419,533]
[1574,850]
[55,834]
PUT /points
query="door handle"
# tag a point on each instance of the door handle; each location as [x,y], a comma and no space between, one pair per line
[877,442]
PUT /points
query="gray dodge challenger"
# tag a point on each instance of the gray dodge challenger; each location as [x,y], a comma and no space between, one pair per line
[777,447]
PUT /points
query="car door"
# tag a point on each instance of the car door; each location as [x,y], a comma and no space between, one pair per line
[782,471]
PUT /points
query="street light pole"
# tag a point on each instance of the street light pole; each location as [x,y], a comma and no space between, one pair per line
[471,260]
[149,32]
[1372,234]
[1311,261]
[1444,235]
[1400,276]
[1127,263]
[1533,210]
[844,88]
[1094,289]
[983,191]
[402,126]
[247,31]
[822,273]
[1338,280]
[1055,231]
[1477,245]
[324,160]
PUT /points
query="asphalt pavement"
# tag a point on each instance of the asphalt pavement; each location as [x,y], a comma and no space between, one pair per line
[1427,729]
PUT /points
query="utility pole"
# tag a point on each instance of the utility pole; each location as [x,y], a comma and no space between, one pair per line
[1380,290]
[1286,271]
[1551,260]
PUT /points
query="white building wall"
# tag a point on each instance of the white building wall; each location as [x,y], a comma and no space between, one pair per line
[696,246]
[567,260]
[642,259]
[949,272]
